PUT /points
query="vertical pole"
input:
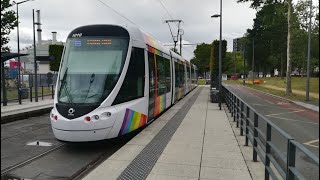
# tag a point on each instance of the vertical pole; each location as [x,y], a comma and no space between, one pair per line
[241,118]
[19,66]
[52,93]
[291,159]
[247,125]
[235,63]
[232,104]
[244,68]
[4,91]
[31,93]
[309,47]
[42,91]
[237,114]
[35,60]
[255,136]
[234,109]
[179,32]
[268,151]
[220,55]
[253,62]
[229,101]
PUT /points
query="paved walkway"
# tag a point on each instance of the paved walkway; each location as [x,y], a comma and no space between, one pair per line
[203,146]
[15,111]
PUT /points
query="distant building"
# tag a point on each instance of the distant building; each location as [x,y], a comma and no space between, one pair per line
[42,48]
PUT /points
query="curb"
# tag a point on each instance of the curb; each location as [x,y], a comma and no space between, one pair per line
[282,98]
[24,115]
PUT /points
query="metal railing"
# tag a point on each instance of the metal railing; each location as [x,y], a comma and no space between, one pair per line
[280,163]
[27,91]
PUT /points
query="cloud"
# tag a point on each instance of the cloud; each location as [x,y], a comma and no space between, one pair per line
[64,15]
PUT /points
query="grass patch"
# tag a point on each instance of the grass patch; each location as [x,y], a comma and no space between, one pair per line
[12,93]
[297,83]
[201,82]
[294,97]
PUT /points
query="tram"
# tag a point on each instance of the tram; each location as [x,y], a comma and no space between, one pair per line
[113,80]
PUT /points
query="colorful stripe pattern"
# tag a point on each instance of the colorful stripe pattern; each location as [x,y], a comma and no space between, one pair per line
[179,93]
[155,51]
[160,105]
[132,120]
[153,42]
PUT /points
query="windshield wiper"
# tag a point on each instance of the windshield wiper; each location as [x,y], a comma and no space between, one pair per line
[63,84]
[91,81]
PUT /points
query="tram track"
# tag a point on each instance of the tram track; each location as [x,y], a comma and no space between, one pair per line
[66,160]
[7,170]
[17,135]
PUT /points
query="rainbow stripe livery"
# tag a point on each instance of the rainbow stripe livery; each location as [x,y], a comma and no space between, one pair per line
[132,121]
[160,105]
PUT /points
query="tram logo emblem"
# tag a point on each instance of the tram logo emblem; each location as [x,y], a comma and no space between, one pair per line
[71,111]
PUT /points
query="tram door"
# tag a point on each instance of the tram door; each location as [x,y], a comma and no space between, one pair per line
[152,85]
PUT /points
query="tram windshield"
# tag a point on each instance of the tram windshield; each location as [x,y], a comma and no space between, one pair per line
[91,67]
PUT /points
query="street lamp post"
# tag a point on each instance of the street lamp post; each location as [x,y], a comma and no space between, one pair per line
[244,68]
[220,52]
[19,65]
[309,47]
[35,58]
[253,62]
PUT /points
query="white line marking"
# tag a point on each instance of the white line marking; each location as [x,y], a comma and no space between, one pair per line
[310,143]
[285,113]
[293,120]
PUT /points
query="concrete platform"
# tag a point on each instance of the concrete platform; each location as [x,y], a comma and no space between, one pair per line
[16,111]
[202,147]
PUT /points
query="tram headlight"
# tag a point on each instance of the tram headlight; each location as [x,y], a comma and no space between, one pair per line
[108,114]
[96,117]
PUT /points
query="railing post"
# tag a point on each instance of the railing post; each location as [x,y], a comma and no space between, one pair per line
[247,125]
[237,113]
[52,94]
[255,135]
[291,159]
[232,104]
[42,91]
[229,98]
[30,93]
[234,107]
[268,151]
[241,118]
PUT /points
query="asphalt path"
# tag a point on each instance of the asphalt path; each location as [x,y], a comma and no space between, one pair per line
[18,144]
[300,123]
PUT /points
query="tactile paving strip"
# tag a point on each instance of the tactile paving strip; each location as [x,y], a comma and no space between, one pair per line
[142,165]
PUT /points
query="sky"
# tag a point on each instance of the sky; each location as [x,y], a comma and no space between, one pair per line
[63,16]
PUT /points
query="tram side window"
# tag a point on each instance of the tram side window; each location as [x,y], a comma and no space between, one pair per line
[168,74]
[182,75]
[193,75]
[188,73]
[133,84]
[177,73]
[162,89]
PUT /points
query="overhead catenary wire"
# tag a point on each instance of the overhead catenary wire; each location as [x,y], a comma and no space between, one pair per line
[167,11]
[125,18]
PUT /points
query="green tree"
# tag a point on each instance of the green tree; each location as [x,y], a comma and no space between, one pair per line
[214,64]
[258,4]
[269,36]
[8,22]
[202,57]
[56,52]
